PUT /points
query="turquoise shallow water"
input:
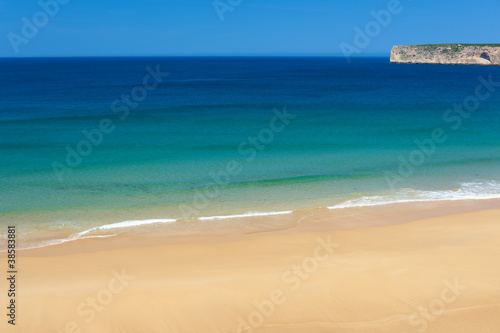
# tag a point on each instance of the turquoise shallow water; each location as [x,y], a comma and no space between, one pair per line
[207,140]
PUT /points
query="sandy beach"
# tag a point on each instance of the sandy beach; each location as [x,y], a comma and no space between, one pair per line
[249,167]
[324,274]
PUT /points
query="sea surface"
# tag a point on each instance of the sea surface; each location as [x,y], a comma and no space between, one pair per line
[106,143]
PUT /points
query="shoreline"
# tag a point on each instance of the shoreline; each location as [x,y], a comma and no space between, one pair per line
[383,265]
[269,220]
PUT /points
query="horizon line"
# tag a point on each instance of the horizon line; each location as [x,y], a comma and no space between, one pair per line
[196,56]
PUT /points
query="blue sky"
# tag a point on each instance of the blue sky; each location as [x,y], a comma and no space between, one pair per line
[250,27]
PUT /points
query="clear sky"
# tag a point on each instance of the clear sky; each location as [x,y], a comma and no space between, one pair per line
[250,27]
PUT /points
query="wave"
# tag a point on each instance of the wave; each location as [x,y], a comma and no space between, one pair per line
[467,191]
[249,214]
[136,223]
[126,224]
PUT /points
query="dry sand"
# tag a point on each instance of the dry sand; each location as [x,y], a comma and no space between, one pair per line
[318,274]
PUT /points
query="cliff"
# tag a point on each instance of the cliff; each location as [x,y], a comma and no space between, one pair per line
[451,54]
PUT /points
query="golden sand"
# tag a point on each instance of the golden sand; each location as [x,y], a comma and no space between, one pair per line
[318,274]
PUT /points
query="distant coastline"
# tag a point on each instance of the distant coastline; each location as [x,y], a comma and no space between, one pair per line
[447,54]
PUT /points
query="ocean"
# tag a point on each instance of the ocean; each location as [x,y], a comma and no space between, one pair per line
[92,144]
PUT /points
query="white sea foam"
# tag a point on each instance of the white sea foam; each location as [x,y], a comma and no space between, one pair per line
[467,191]
[81,235]
[136,223]
[249,214]
[126,224]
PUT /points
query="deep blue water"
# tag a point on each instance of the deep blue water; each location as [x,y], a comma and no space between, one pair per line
[352,125]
